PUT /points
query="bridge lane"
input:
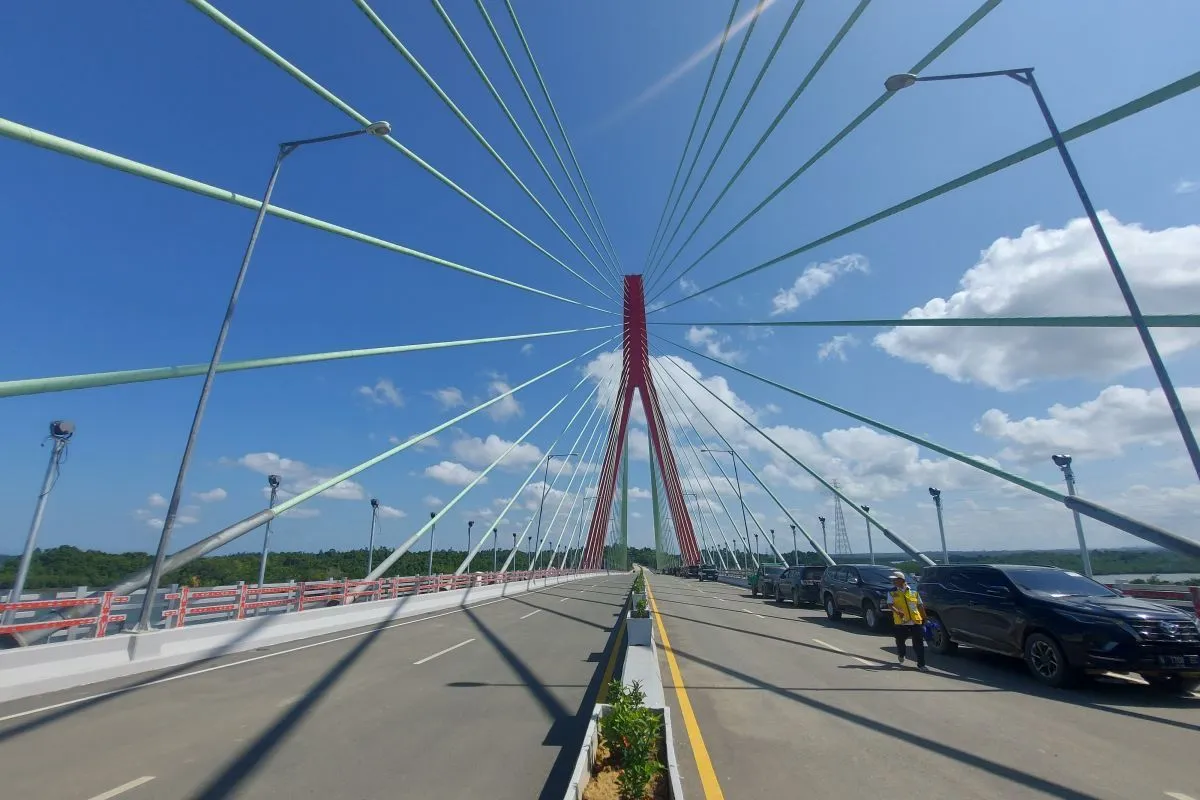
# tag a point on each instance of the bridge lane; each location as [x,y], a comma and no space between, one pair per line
[782,711]
[354,717]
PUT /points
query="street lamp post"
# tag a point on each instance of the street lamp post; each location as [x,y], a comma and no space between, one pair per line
[529,552]
[61,432]
[273,482]
[936,494]
[495,542]
[1063,462]
[757,548]
[371,540]
[470,524]
[824,537]
[870,544]
[515,553]
[1024,75]
[164,539]
[432,536]
[795,550]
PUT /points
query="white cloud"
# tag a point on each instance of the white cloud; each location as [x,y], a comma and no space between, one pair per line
[815,279]
[688,287]
[1060,271]
[506,408]
[449,397]
[481,452]
[713,343]
[213,495]
[428,443]
[452,473]
[156,500]
[527,349]
[638,442]
[298,476]
[836,347]
[431,501]
[1186,187]
[388,512]
[154,523]
[1118,418]
[383,393]
[637,493]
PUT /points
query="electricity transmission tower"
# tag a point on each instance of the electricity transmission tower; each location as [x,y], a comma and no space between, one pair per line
[841,539]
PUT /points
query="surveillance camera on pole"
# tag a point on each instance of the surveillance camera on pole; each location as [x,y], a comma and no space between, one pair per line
[1063,462]
[470,524]
[824,536]
[870,544]
[61,431]
[432,535]
[273,481]
[371,540]
[936,494]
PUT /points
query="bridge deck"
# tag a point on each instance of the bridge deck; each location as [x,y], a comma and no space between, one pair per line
[352,717]
[791,705]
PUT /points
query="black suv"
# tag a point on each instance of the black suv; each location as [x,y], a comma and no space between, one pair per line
[708,572]
[800,585]
[1061,623]
[860,589]
[762,580]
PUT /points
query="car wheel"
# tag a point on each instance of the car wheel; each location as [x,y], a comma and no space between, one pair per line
[941,642]
[831,609]
[1175,684]
[872,616]
[796,599]
[1046,661]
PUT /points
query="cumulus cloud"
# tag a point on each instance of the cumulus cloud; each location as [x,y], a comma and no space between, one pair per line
[156,500]
[713,343]
[449,397]
[452,473]
[481,452]
[388,512]
[527,349]
[815,279]
[1118,418]
[212,495]
[1185,186]
[431,501]
[383,393]
[298,476]
[1057,271]
[836,347]
[506,408]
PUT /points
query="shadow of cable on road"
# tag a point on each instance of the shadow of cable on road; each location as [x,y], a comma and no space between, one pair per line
[996,768]
[252,757]
[99,698]
[567,726]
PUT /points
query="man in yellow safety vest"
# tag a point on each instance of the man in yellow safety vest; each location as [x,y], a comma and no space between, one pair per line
[908,618]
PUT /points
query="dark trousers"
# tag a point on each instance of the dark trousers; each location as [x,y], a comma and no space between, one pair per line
[916,633]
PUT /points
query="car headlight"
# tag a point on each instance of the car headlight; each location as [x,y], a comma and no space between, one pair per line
[1092,619]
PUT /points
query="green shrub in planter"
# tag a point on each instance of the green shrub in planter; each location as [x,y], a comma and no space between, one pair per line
[631,733]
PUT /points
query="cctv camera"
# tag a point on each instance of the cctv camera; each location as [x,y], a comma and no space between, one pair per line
[62,428]
[273,481]
[935,493]
[1061,461]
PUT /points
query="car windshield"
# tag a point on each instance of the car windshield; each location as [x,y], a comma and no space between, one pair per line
[1058,583]
[875,574]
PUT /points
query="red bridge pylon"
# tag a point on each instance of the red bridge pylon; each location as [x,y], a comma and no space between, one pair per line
[635,376]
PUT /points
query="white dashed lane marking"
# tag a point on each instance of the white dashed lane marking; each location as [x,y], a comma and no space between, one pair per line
[442,652]
[133,784]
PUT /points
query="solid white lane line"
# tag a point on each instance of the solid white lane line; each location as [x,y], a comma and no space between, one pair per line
[760,616]
[181,676]
[565,599]
[828,646]
[1178,796]
[865,661]
[745,611]
[531,613]
[123,788]
[442,652]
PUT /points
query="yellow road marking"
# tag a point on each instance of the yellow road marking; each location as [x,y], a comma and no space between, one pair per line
[612,663]
[708,776]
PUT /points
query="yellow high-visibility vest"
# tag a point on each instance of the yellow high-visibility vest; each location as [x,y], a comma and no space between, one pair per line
[906,607]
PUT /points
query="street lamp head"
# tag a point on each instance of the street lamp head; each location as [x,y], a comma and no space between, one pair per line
[867,509]
[935,493]
[62,429]
[273,481]
[470,524]
[374,503]
[901,81]
[821,520]
[381,128]
[432,514]
[1061,461]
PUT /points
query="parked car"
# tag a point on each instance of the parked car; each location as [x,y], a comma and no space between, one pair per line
[800,584]
[708,572]
[691,571]
[762,580]
[859,589]
[1061,623]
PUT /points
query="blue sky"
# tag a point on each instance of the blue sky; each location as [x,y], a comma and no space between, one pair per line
[108,271]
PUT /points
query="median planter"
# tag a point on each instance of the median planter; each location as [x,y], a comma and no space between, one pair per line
[627,750]
[639,630]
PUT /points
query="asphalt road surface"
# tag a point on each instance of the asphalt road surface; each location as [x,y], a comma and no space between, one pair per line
[789,704]
[490,701]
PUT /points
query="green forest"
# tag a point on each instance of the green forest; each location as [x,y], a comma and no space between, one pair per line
[67,567]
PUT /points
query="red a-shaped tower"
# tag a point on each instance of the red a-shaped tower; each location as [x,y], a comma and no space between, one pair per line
[635,376]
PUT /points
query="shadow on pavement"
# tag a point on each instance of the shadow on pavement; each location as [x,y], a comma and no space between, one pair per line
[996,768]
[252,757]
[567,727]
